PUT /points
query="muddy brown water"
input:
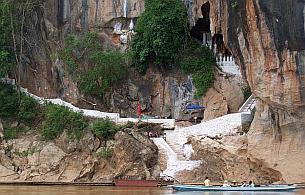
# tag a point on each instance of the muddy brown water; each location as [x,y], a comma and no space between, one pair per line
[100,190]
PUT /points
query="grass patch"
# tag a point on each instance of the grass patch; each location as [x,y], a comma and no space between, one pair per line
[26,153]
[14,132]
[105,152]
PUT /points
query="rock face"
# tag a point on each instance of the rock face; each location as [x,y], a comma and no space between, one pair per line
[268,42]
[226,158]
[224,97]
[159,95]
[29,159]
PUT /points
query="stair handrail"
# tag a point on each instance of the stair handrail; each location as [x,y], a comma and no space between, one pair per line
[241,109]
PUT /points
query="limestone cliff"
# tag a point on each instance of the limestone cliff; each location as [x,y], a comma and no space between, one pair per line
[267,39]
[43,72]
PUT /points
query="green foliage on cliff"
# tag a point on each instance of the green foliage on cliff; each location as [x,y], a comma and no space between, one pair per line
[247,92]
[12,16]
[200,62]
[162,36]
[77,50]
[6,51]
[105,152]
[104,129]
[13,132]
[9,101]
[94,68]
[109,70]
[162,32]
[28,110]
[234,3]
[58,119]
[24,110]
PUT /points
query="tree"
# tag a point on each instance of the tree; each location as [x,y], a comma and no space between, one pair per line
[161,34]
[200,62]
[12,19]
[6,50]
[104,129]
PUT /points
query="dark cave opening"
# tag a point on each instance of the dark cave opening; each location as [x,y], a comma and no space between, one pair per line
[201,31]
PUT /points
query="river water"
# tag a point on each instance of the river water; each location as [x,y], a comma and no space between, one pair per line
[98,190]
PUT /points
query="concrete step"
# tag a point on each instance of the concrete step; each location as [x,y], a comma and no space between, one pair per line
[177,149]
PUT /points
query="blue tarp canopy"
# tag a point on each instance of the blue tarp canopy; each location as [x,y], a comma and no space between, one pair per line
[194,107]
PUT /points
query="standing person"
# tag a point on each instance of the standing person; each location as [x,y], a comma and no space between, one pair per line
[234,183]
[251,184]
[225,184]
[207,181]
[244,184]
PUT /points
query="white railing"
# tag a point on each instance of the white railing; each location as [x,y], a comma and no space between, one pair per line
[248,105]
[228,65]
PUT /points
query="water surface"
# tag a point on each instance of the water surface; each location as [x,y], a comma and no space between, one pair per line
[99,190]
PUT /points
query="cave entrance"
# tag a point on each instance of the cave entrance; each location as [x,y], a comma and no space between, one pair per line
[219,48]
[201,31]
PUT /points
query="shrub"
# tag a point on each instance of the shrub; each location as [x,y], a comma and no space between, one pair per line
[203,81]
[129,124]
[93,68]
[60,118]
[9,101]
[247,92]
[109,69]
[200,62]
[105,152]
[104,129]
[162,32]
[88,83]
[28,110]
[26,153]
[24,110]
[13,132]
[6,52]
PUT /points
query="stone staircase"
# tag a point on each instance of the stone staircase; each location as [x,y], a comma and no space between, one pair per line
[175,147]
[177,139]
[177,150]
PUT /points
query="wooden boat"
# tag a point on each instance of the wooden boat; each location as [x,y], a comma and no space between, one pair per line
[220,188]
[136,183]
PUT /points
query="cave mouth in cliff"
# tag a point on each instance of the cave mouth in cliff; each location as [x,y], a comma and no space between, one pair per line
[220,46]
[201,30]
